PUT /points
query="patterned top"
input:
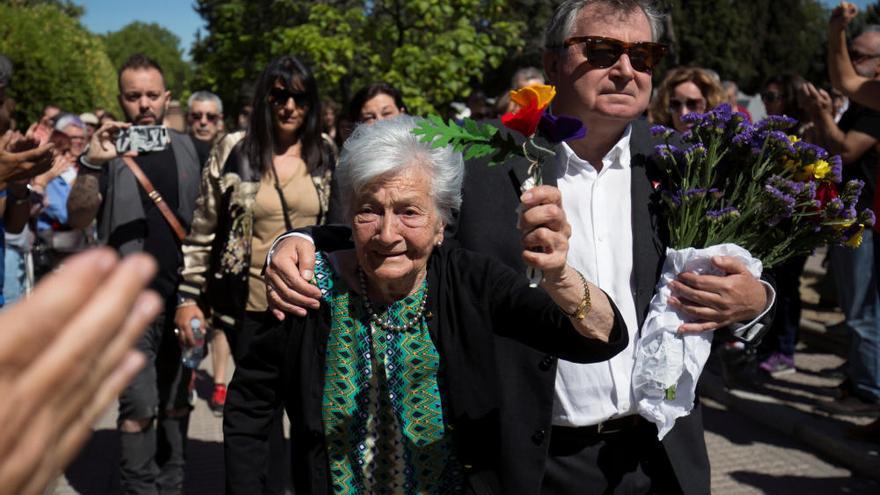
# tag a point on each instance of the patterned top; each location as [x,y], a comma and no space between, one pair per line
[382,410]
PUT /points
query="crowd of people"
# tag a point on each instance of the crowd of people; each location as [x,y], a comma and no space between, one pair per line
[372,286]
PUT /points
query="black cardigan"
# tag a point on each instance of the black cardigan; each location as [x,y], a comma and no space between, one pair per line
[471,297]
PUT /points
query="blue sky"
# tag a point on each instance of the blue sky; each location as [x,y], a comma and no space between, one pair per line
[178,16]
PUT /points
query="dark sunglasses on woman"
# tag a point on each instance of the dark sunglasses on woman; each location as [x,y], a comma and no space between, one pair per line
[280,96]
[603,52]
[692,104]
[771,96]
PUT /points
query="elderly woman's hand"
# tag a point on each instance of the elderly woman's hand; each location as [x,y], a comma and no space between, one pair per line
[545,231]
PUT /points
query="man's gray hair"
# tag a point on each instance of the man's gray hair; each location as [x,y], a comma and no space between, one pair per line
[389,147]
[526,74]
[67,120]
[562,23]
[205,96]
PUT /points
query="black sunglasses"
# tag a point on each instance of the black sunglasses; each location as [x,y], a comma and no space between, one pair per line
[771,96]
[603,52]
[280,96]
[692,104]
[197,116]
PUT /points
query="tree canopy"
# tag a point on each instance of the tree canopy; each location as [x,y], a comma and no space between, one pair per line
[433,51]
[56,61]
[156,42]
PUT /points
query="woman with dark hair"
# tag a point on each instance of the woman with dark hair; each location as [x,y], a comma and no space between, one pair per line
[256,185]
[375,102]
[781,95]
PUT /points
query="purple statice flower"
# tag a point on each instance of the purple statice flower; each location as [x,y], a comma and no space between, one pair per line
[558,128]
[779,205]
[661,131]
[851,191]
[672,199]
[693,118]
[722,214]
[777,122]
[779,140]
[695,151]
[668,152]
[836,168]
[866,217]
[808,152]
[809,190]
[787,186]
[833,208]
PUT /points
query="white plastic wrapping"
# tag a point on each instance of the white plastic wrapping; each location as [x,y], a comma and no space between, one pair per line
[664,359]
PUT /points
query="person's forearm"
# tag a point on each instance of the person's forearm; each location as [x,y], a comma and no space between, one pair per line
[833,139]
[84,200]
[840,69]
[18,208]
[568,293]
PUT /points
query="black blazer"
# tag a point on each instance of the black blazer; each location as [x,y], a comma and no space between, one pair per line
[471,298]
[487,224]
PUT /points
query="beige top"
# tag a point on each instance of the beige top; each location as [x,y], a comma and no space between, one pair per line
[302,201]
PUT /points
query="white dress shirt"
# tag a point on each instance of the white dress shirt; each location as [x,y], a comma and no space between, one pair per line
[599,208]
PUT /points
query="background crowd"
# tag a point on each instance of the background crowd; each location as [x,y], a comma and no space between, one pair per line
[290,117]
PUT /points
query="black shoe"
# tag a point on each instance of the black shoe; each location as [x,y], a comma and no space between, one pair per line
[850,406]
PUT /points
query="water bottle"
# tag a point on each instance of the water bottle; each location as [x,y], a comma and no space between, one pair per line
[192,356]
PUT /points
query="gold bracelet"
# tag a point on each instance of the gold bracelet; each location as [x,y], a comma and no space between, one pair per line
[584,306]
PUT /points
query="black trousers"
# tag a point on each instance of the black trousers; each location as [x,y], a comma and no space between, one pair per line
[632,461]
[277,471]
[152,461]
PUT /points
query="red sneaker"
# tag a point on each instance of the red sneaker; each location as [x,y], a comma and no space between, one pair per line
[218,399]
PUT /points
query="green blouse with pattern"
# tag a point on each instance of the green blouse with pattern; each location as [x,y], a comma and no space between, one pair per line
[383,412]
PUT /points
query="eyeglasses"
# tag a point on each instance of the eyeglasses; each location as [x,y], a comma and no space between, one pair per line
[603,52]
[771,96]
[692,104]
[280,96]
[197,116]
[856,56]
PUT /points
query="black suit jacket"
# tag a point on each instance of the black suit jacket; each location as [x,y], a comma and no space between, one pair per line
[487,224]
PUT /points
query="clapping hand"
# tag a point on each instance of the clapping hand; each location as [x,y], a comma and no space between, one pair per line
[65,355]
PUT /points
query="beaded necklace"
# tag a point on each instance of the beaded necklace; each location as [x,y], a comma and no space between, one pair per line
[386,322]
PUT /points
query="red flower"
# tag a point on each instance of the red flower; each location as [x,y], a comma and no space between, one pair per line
[825,193]
[525,120]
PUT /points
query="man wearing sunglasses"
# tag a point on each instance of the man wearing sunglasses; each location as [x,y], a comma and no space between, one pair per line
[205,119]
[568,428]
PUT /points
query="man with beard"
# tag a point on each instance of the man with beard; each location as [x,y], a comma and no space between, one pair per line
[154,409]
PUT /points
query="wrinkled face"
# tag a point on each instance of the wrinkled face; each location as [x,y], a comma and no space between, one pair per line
[685,98]
[396,226]
[289,114]
[143,96]
[378,108]
[77,139]
[204,119]
[618,92]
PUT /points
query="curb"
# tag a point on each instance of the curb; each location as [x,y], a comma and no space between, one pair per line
[794,423]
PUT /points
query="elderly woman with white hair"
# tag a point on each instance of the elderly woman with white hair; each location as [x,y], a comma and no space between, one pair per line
[390,386]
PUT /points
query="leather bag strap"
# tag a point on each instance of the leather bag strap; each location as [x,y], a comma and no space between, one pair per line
[157,199]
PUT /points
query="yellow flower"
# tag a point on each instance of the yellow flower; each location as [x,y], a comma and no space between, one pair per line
[541,94]
[856,239]
[793,139]
[821,168]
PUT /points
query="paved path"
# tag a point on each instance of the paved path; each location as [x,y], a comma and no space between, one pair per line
[747,458]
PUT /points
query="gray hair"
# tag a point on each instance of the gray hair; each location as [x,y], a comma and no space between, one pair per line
[205,96]
[67,120]
[389,147]
[562,22]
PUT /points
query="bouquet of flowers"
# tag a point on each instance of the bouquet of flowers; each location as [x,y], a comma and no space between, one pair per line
[532,121]
[751,191]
